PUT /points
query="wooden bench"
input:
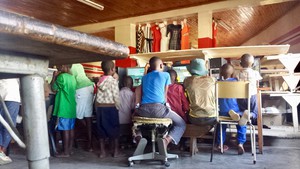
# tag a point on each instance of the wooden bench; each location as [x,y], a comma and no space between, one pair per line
[193,132]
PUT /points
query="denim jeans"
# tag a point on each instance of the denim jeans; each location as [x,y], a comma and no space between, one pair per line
[241,131]
[158,110]
[13,109]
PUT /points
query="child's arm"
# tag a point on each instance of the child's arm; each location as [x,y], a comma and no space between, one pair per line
[116,95]
[58,83]
[185,102]
[54,77]
[138,95]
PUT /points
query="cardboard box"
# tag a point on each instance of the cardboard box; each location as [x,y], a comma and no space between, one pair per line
[272,119]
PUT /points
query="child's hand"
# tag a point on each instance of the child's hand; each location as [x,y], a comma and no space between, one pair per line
[115,76]
[56,73]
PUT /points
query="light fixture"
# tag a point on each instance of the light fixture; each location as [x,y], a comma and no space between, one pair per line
[92,4]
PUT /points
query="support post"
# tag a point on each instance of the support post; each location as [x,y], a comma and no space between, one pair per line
[35,125]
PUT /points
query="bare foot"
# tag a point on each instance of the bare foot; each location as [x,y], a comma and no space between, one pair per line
[62,155]
[102,155]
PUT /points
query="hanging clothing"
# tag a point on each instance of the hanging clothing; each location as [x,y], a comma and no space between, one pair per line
[148,39]
[164,42]
[140,40]
[185,37]
[175,38]
[156,38]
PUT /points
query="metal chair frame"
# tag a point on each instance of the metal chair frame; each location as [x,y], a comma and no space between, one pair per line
[234,89]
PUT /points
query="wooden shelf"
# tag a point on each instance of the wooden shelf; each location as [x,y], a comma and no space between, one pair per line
[218,52]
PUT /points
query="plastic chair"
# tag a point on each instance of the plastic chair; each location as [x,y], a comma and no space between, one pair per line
[239,90]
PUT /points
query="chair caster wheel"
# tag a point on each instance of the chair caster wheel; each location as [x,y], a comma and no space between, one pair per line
[165,163]
[130,163]
[254,162]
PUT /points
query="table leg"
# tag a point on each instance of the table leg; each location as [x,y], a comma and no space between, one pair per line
[259,124]
[293,100]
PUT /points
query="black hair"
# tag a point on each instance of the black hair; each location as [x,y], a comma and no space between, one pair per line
[127,80]
[107,66]
[225,69]
[153,62]
[245,60]
[172,71]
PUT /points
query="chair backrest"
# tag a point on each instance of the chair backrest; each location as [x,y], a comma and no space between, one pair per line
[233,89]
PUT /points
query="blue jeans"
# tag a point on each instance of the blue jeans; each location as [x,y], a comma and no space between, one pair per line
[241,131]
[158,110]
[13,109]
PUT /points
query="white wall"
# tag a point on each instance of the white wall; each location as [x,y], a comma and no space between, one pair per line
[286,30]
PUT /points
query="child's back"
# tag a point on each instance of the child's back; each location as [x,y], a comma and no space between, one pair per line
[127,100]
[65,104]
[253,76]
[176,97]
[108,91]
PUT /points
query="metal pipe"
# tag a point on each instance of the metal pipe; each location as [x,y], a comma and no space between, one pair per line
[9,120]
[35,125]
[11,132]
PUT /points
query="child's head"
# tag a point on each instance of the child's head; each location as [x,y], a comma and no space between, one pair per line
[173,75]
[65,68]
[156,64]
[127,82]
[227,71]
[108,67]
[247,60]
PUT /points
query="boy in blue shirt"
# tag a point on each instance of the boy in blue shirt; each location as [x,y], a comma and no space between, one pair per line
[230,107]
[153,102]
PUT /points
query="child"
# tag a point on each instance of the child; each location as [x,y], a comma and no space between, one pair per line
[65,106]
[107,105]
[229,107]
[248,74]
[127,98]
[176,98]
[200,89]
[153,92]
[84,100]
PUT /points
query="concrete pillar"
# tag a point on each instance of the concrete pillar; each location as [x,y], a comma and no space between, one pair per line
[126,34]
[205,29]
[35,122]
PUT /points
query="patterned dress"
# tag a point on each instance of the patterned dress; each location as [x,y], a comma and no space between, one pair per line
[175,38]
[140,40]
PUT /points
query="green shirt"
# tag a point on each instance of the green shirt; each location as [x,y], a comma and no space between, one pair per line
[80,76]
[65,104]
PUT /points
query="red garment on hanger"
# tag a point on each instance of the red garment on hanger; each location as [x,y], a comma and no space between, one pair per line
[156,38]
[185,37]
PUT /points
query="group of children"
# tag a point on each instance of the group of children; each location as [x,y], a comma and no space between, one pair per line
[159,96]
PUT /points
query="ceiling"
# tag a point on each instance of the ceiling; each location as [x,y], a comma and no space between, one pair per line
[244,22]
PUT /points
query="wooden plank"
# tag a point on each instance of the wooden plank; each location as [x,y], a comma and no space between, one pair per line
[219,52]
